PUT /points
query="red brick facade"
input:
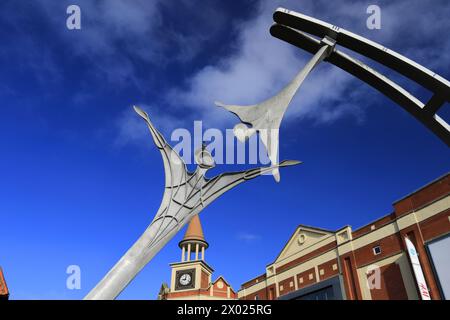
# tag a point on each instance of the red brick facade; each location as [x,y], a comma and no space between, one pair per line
[422,216]
[392,286]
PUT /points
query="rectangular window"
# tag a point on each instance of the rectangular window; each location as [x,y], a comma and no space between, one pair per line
[438,251]
[376,250]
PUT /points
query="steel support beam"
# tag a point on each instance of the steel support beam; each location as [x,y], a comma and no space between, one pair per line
[293,27]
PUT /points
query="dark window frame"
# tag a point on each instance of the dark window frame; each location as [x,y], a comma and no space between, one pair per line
[433,267]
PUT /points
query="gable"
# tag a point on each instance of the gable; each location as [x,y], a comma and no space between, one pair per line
[303,238]
[221,283]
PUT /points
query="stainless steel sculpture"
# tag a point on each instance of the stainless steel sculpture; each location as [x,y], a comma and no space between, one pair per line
[186,194]
[265,118]
[292,27]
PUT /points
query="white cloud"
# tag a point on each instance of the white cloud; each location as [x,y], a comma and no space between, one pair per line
[115,35]
[247,237]
[262,65]
[118,35]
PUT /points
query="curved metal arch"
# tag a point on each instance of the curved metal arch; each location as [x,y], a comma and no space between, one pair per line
[291,26]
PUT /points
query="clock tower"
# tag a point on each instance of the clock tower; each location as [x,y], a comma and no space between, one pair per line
[191,277]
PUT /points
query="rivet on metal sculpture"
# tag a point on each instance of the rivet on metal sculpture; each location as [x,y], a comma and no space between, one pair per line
[185,195]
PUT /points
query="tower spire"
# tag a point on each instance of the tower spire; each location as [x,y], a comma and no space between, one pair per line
[193,241]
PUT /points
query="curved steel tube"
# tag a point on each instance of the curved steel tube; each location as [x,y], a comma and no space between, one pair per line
[286,29]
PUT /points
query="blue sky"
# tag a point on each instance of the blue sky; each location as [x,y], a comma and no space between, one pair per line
[80,178]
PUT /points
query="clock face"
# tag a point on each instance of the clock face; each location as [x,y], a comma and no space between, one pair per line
[185,279]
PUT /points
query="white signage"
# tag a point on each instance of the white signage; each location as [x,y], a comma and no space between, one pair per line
[414,257]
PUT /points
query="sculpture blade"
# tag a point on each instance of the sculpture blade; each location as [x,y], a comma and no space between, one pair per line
[174,166]
[185,195]
[265,117]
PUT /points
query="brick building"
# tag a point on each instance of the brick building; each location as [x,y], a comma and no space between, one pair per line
[191,278]
[342,264]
